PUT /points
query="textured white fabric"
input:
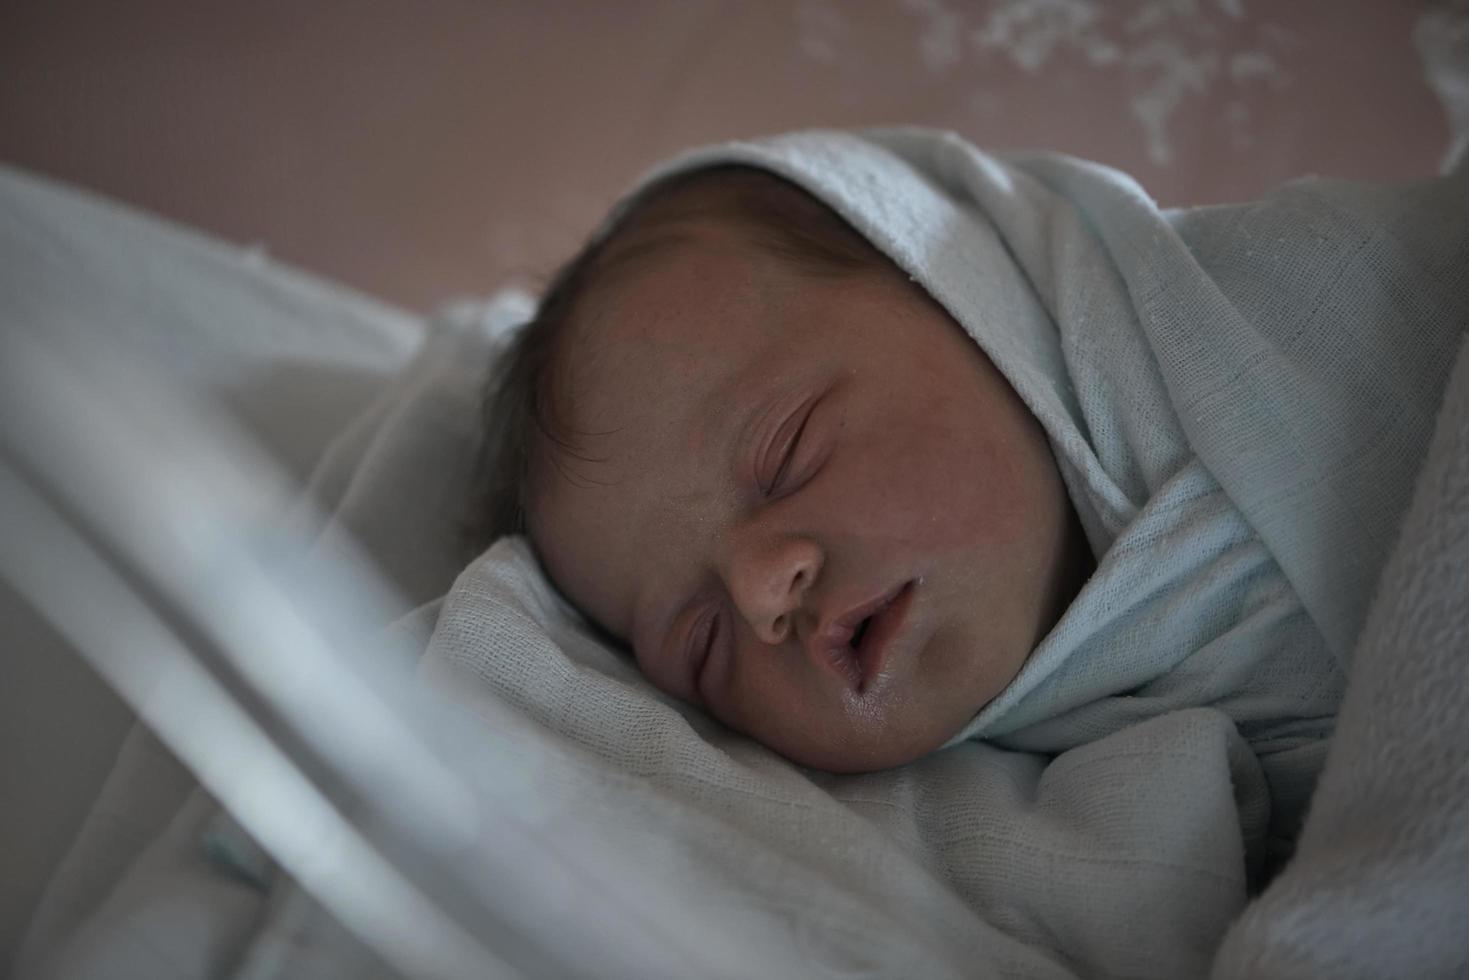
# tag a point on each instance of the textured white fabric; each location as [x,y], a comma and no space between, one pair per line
[171,916]
[1238,398]
[293,357]
[142,795]
[1129,855]
[1380,883]
[1125,857]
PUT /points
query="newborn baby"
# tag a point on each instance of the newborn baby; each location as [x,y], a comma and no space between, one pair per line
[751,449]
[828,427]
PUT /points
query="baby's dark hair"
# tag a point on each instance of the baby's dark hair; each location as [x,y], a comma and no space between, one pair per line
[521,414]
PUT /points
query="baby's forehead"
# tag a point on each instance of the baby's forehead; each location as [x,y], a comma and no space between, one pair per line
[684,302]
[646,379]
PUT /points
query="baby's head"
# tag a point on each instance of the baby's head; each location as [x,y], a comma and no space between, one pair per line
[748,447]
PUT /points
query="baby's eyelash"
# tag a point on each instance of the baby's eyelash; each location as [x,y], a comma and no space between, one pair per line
[702,645]
[787,446]
[790,454]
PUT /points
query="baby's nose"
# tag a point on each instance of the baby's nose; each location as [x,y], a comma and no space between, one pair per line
[768,582]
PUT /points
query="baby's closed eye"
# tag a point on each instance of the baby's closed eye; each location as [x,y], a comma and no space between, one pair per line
[776,462]
[700,646]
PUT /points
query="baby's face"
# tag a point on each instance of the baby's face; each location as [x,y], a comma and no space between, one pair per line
[810,505]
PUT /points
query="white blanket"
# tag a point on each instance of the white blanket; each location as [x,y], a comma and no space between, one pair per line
[1130,855]
[294,358]
[1379,886]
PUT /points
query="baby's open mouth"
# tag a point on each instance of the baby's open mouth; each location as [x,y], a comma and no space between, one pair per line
[870,642]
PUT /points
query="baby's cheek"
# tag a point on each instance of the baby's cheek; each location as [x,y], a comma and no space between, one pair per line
[771,705]
[951,486]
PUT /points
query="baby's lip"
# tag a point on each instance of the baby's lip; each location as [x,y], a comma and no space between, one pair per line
[861,664]
[878,641]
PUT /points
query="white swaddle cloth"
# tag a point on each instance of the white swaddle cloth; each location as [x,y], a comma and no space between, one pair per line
[1126,856]
[1238,398]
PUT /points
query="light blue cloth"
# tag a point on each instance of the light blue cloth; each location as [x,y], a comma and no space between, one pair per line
[1238,398]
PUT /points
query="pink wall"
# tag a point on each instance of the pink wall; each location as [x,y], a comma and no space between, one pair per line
[419,150]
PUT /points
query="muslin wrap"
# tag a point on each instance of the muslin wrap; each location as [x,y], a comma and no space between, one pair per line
[1237,436]
[1239,399]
